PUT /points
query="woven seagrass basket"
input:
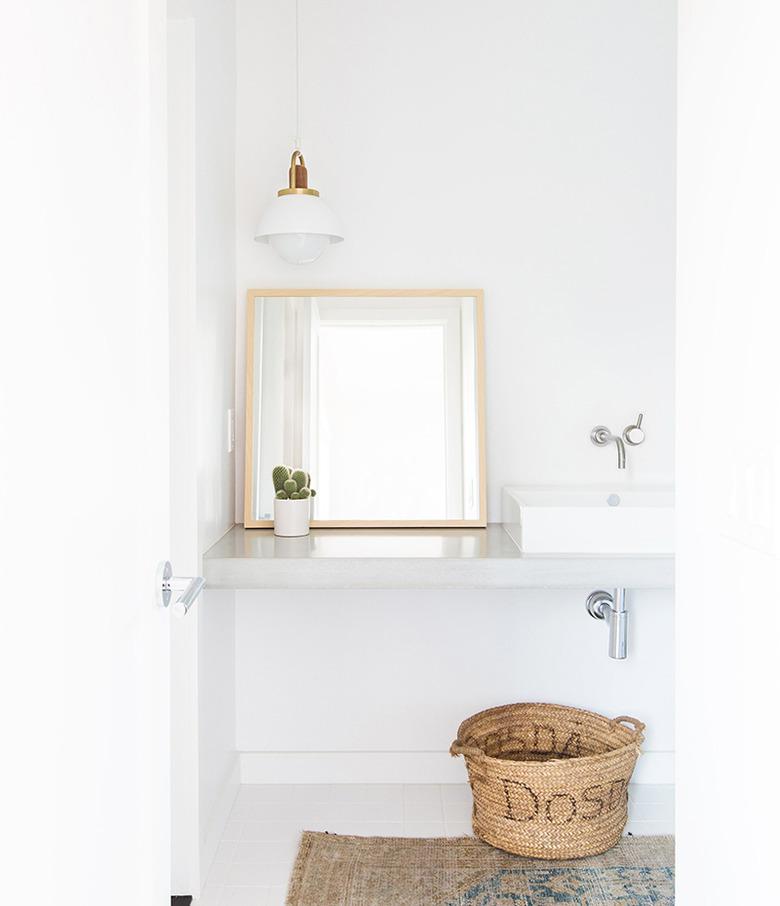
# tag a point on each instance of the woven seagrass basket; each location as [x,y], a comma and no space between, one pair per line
[549,782]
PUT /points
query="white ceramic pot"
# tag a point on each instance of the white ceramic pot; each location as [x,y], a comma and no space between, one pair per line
[291,517]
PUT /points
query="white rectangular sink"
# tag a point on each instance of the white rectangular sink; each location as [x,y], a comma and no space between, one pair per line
[596,519]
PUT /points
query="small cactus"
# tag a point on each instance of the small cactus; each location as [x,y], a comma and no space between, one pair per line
[280,475]
[300,479]
[292,484]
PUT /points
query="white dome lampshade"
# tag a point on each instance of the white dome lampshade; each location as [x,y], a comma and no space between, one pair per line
[298,225]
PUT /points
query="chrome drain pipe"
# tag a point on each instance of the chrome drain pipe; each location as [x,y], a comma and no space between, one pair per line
[602,605]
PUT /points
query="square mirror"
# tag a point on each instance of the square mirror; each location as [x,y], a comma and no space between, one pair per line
[378,394]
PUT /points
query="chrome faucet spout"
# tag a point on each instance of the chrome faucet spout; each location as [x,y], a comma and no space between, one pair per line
[621,450]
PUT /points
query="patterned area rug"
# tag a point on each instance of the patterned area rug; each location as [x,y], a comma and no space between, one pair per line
[334,870]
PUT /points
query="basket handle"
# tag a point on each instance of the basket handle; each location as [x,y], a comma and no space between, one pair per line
[636,725]
[457,748]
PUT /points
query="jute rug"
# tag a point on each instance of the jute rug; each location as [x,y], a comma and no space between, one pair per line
[335,870]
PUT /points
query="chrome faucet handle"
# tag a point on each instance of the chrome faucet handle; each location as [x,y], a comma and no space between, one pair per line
[634,435]
[601,436]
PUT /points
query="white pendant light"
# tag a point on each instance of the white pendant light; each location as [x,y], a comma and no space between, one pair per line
[298,225]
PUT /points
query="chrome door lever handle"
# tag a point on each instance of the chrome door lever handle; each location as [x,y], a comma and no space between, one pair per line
[167,582]
[182,604]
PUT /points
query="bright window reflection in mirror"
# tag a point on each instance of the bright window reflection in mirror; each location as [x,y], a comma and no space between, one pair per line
[378,395]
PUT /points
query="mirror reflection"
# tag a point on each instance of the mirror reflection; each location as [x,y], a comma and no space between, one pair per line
[378,396]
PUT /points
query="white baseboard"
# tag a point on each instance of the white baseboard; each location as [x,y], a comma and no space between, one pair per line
[214,825]
[395,767]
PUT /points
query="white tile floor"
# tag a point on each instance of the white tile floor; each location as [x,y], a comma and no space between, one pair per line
[260,842]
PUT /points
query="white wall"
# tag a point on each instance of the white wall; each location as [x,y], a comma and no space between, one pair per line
[214,360]
[218,775]
[729,469]
[388,671]
[202,116]
[522,146]
[527,148]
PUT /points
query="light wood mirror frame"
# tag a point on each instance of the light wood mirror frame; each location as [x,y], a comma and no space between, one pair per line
[479,363]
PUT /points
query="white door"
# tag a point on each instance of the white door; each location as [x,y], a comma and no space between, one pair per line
[84,481]
[728,474]
[185,811]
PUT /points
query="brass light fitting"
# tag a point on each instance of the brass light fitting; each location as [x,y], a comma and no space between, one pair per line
[299,177]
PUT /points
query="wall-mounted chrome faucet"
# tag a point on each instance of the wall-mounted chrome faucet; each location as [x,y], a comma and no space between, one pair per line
[633,435]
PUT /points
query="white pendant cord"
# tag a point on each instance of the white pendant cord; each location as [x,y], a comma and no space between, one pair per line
[297,143]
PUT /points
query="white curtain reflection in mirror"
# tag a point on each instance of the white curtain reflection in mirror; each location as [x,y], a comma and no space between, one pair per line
[376,397]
